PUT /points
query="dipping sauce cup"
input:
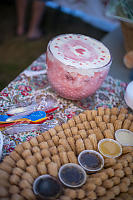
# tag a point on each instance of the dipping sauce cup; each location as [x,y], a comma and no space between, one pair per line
[91,161]
[124,137]
[47,187]
[109,148]
[72,175]
[76,65]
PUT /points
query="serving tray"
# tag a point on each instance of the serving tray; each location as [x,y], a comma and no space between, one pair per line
[46,153]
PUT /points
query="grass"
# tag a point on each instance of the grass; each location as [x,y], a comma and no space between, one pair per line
[16,53]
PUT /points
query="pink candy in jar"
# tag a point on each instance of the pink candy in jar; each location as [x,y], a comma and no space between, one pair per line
[76,65]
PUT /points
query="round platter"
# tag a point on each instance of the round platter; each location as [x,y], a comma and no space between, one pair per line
[46,153]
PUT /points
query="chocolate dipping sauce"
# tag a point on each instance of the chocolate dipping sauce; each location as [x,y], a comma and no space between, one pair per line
[91,160]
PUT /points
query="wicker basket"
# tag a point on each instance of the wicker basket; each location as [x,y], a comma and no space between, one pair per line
[127,29]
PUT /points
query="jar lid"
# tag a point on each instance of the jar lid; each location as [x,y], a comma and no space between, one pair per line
[80,51]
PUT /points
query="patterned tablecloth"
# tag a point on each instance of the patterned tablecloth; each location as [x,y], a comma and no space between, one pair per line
[32,87]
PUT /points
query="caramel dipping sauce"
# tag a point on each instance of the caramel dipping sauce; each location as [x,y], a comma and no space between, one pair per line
[109,148]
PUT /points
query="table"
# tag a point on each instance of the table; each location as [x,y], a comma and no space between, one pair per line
[32,86]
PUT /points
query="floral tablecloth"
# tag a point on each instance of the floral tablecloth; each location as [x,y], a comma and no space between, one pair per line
[32,87]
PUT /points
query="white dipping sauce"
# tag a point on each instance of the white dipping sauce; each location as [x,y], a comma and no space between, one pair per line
[124,137]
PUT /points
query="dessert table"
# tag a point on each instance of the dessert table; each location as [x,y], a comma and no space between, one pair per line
[31,87]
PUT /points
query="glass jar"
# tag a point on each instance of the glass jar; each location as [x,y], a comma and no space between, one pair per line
[76,65]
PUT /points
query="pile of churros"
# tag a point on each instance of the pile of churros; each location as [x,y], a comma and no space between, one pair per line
[46,153]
